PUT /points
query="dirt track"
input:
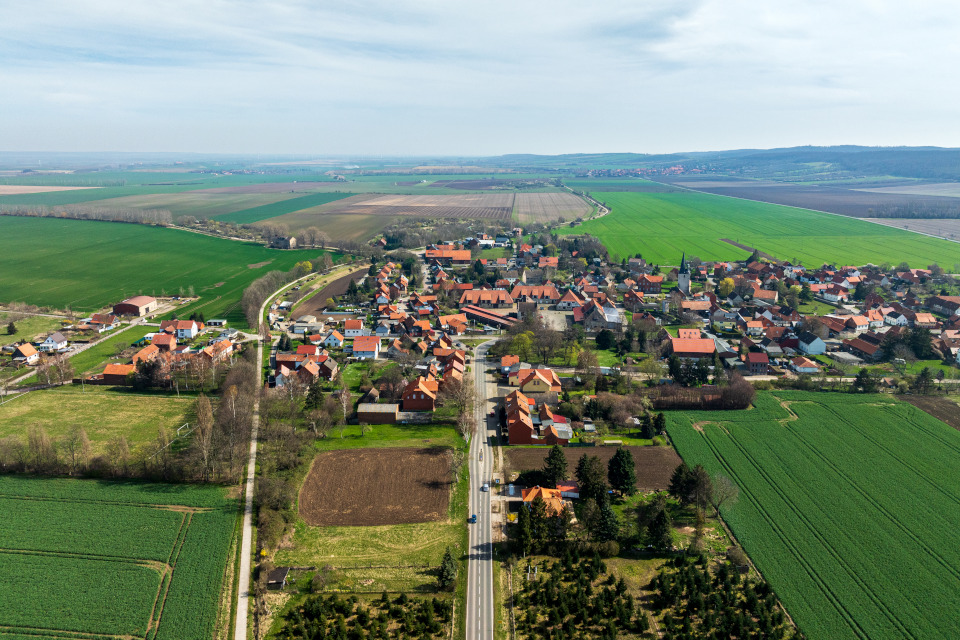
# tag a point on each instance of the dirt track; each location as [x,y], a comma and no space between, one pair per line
[363,487]
[654,465]
[315,305]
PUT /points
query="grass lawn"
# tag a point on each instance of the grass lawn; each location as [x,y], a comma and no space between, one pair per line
[816,307]
[102,412]
[29,328]
[662,226]
[391,435]
[496,252]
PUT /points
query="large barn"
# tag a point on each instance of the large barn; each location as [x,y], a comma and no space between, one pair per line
[135,306]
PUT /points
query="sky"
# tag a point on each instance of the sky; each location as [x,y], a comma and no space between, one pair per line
[478,78]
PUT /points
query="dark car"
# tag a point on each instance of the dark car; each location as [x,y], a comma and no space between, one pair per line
[472,519]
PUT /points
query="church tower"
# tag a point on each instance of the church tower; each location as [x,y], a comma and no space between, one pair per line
[683,276]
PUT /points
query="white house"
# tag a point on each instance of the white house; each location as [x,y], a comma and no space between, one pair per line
[896,319]
[366,347]
[811,345]
[25,354]
[54,342]
[353,328]
[334,340]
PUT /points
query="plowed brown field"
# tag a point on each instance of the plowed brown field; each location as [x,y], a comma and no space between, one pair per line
[654,465]
[362,487]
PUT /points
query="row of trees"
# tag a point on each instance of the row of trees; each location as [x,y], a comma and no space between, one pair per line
[161,217]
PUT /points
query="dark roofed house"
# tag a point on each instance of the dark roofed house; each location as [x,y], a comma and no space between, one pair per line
[277,579]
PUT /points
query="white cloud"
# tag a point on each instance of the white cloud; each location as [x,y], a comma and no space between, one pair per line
[482,78]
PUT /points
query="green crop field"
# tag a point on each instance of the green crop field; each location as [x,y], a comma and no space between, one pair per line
[661,226]
[87,265]
[129,559]
[266,211]
[849,505]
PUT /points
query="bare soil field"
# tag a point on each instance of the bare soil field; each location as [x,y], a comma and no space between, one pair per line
[486,205]
[940,408]
[363,487]
[547,207]
[654,465]
[948,189]
[840,200]
[469,184]
[315,305]
[948,229]
[20,189]
[271,187]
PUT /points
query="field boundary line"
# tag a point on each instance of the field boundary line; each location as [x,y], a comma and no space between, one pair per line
[143,505]
[172,565]
[77,556]
[59,634]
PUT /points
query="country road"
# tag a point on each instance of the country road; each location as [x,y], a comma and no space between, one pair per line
[479,607]
[246,540]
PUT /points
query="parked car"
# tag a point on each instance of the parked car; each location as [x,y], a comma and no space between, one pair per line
[472,519]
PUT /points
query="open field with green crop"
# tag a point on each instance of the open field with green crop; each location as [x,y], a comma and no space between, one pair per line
[661,226]
[87,265]
[105,414]
[848,506]
[130,559]
[266,211]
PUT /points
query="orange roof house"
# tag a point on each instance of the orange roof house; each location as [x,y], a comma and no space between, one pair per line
[551,496]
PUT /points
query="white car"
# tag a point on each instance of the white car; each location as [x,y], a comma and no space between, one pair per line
[485,487]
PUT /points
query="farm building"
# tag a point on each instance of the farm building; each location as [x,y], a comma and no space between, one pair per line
[277,579]
[136,306]
[118,374]
[368,413]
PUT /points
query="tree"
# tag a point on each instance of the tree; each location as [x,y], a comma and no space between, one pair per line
[524,538]
[647,429]
[77,447]
[11,328]
[621,472]
[924,381]
[864,382]
[203,438]
[559,524]
[590,476]
[726,287]
[539,519]
[314,396]
[447,572]
[606,339]
[588,367]
[607,524]
[724,492]
[701,488]
[679,486]
[555,466]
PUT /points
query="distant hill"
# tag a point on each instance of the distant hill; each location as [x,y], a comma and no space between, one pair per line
[816,164]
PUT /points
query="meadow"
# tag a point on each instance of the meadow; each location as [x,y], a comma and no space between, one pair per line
[848,506]
[103,413]
[131,559]
[661,226]
[87,265]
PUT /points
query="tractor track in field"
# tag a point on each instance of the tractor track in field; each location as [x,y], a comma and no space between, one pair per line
[799,557]
[836,555]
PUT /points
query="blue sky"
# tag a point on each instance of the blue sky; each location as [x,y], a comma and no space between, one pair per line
[481,78]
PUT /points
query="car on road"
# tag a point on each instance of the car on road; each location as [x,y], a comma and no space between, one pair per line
[472,519]
[485,487]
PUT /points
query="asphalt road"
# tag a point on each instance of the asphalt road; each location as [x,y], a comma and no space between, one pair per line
[479,607]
